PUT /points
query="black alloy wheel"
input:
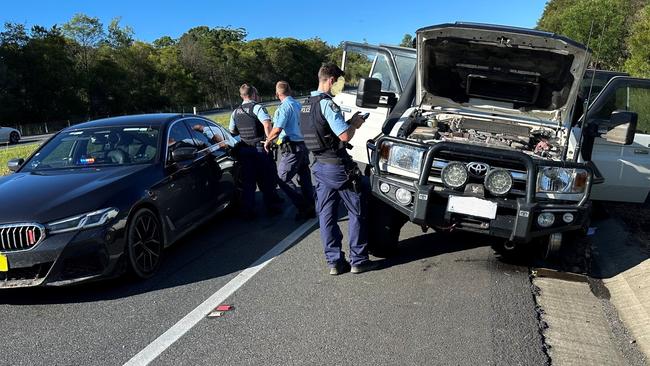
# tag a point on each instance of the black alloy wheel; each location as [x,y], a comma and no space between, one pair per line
[144,243]
[14,137]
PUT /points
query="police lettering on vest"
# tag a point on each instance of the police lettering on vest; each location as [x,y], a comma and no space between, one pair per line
[250,128]
[319,137]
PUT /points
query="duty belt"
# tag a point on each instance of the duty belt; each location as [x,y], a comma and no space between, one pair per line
[335,161]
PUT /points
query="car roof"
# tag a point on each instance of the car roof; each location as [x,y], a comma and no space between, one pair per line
[154,119]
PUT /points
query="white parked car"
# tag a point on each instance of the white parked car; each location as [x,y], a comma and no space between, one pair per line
[9,135]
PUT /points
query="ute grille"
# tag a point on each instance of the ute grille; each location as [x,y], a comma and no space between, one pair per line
[15,237]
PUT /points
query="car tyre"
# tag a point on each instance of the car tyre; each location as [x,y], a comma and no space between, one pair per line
[144,243]
[384,226]
[14,137]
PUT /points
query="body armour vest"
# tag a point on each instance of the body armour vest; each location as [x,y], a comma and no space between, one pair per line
[319,137]
[250,128]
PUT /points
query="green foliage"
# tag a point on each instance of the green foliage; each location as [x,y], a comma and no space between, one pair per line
[638,64]
[407,41]
[84,70]
[573,18]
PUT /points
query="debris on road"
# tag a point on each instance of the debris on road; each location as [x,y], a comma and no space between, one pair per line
[219,311]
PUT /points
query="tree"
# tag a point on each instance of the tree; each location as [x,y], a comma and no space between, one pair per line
[407,41]
[638,64]
[119,37]
[610,19]
[86,33]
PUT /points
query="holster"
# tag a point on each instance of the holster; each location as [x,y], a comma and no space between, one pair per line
[354,176]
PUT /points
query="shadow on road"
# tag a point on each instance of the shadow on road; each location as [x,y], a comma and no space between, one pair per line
[220,248]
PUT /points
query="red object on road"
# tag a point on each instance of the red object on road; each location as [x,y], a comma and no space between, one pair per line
[224,308]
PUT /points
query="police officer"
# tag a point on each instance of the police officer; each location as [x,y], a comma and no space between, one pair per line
[326,135]
[252,122]
[295,156]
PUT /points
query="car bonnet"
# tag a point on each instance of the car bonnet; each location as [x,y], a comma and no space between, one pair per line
[499,70]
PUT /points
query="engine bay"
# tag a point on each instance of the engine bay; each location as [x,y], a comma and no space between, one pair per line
[538,141]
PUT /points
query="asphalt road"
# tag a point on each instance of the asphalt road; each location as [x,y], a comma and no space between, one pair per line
[446,299]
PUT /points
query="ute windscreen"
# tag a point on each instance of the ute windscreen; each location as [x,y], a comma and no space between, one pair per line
[460,69]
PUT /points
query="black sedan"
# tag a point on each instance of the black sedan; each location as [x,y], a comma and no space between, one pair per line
[107,196]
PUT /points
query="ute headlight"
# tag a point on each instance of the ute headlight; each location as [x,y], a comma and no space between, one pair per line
[562,180]
[85,221]
[401,156]
[498,182]
[454,175]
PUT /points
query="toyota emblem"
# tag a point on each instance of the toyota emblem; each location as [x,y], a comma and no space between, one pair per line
[478,170]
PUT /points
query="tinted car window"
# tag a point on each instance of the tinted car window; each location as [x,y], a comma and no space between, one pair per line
[179,136]
[405,67]
[96,147]
[382,72]
[209,134]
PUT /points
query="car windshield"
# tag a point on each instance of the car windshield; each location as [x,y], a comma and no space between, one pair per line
[95,147]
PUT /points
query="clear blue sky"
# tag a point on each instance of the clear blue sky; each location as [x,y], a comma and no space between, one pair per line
[373,21]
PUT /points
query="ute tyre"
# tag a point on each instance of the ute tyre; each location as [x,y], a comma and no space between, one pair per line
[14,137]
[384,226]
[144,244]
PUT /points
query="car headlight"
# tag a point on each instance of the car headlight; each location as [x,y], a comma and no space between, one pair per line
[85,221]
[498,182]
[400,156]
[562,180]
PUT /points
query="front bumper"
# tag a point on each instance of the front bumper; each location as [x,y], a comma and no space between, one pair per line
[66,258]
[516,218]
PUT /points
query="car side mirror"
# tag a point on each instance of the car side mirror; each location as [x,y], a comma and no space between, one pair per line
[369,94]
[15,164]
[625,129]
[184,153]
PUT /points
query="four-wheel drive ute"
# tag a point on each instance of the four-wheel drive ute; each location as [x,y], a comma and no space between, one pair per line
[483,138]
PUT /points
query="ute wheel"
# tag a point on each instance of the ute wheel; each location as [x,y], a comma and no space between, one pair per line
[384,226]
[144,243]
[515,253]
[550,245]
[14,137]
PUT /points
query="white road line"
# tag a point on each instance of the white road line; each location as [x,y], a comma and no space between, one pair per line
[158,346]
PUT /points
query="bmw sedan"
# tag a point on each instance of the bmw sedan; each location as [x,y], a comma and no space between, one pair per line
[105,197]
[9,135]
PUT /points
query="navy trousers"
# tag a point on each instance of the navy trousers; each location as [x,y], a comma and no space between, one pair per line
[257,168]
[292,164]
[332,187]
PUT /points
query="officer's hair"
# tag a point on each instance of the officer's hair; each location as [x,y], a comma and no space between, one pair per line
[329,70]
[282,87]
[247,90]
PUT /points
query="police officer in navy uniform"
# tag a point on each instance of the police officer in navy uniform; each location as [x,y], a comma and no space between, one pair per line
[252,123]
[337,177]
[295,156]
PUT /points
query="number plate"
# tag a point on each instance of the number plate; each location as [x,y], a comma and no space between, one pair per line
[472,206]
[4,263]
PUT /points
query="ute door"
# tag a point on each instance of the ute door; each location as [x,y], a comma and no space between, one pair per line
[392,65]
[626,168]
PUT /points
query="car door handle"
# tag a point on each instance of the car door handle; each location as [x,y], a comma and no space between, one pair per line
[641,151]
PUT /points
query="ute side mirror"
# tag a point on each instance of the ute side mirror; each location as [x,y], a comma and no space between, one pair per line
[625,127]
[15,164]
[369,94]
[184,154]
